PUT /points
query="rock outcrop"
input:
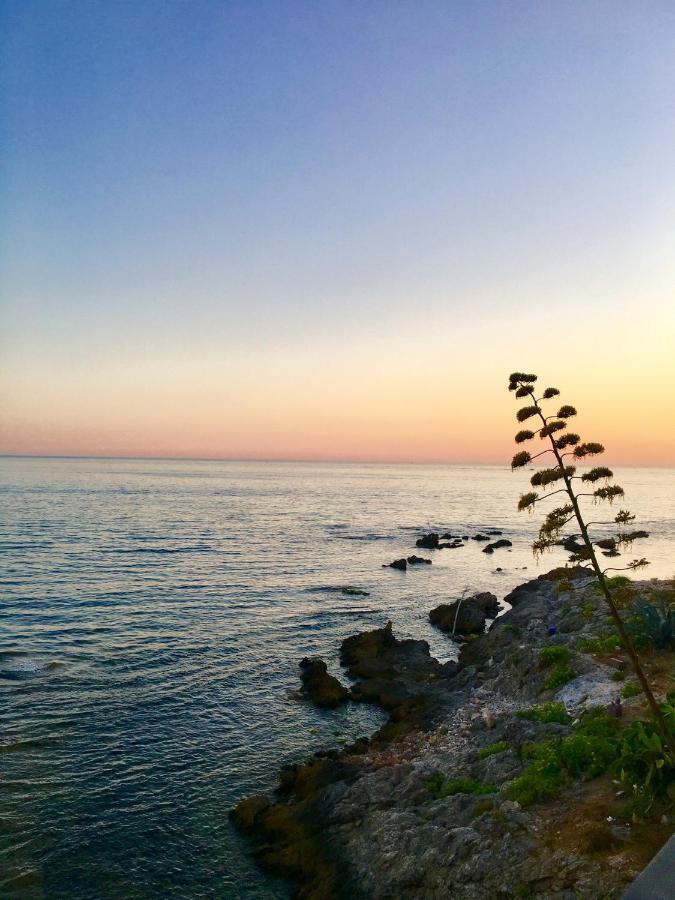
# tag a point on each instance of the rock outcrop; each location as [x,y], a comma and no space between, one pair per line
[319,686]
[422,810]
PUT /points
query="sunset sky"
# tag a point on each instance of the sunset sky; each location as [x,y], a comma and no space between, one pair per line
[330,230]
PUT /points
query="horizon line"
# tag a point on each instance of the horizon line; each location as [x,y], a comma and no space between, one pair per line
[300,460]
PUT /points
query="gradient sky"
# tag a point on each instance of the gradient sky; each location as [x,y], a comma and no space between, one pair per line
[330,230]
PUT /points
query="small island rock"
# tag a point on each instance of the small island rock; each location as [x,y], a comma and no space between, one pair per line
[320,687]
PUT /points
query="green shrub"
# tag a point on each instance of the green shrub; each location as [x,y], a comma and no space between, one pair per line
[554,653]
[586,755]
[493,749]
[559,676]
[510,628]
[619,675]
[588,609]
[442,787]
[546,712]
[598,723]
[632,689]
[543,778]
[599,745]
[609,644]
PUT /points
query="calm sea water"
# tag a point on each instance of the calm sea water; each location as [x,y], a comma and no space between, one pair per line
[152,617]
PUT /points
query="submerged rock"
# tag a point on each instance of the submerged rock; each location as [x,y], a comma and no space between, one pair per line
[418,560]
[319,686]
[401,564]
[428,541]
[572,544]
[490,548]
[606,544]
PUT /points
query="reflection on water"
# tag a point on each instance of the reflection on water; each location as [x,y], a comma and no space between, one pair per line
[153,616]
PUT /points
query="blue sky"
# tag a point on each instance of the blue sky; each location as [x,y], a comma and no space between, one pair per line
[185,182]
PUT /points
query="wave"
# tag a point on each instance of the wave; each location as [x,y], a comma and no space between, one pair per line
[19,665]
[347,589]
[199,549]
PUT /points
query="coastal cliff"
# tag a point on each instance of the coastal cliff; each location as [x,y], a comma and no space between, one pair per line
[491,777]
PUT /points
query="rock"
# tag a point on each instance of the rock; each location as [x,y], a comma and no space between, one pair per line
[401,564]
[487,602]
[449,537]
[319,686]
[606,544]
[459,617]
[611,553]
[480,537]
[428,541]
[572,545]
[585,691]
[494,531]
[401,676]
[246,812]
[452,546]
[490,548]
[417,560]
[489,718]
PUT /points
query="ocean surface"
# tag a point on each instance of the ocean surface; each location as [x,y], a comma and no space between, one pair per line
[152,617]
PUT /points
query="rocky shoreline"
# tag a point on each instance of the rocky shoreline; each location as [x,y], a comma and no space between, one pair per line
[424,807]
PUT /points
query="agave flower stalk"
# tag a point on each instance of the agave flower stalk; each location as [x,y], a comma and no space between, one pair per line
[566,446]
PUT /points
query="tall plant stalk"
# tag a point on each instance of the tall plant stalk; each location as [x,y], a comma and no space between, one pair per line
[523,385]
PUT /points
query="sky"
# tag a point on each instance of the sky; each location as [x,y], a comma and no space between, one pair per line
[300,230]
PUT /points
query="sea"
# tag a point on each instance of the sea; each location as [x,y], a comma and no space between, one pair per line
[152,617]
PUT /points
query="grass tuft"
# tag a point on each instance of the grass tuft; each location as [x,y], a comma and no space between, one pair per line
[493,749]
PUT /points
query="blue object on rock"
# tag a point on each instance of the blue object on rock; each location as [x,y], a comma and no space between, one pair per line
[552,629]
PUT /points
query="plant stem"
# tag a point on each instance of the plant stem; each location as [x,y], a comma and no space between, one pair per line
[604,587]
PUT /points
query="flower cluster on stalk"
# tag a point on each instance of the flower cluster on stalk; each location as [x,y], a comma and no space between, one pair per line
[552,430]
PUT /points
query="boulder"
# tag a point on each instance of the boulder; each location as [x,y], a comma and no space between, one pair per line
[490,548]
[418,560]
[480,537]
[401,564]
[319,686]
[428,541]
[459,617]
